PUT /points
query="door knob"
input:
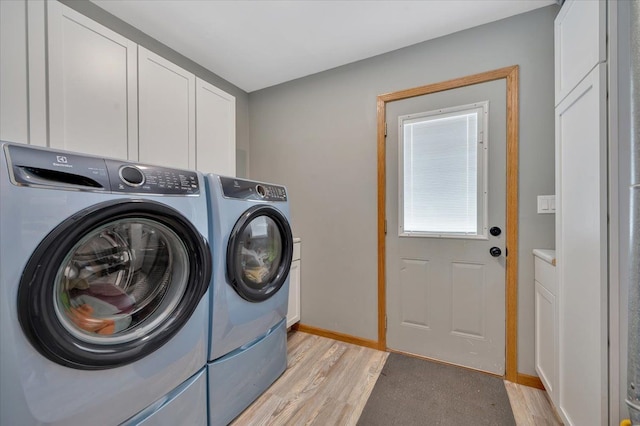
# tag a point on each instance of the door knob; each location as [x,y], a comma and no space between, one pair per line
[495,231]
[495,251]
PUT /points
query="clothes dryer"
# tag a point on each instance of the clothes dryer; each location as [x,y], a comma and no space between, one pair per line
[252,247]
[104,273]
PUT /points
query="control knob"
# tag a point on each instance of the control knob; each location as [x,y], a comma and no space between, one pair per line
[131,175]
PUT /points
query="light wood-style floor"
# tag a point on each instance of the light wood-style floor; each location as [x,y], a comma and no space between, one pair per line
[328,382]
[530,406]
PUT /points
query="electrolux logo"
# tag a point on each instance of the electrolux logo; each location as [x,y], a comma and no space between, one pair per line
[62,161]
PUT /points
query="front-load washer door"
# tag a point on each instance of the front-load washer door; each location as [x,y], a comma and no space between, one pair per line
[259,253]
[113,283]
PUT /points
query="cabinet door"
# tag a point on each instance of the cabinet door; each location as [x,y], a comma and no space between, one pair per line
[92,86]
[293,312]
[546,349]
[14,113]
[581,247]
[580,30]
[167,119]
[215,130]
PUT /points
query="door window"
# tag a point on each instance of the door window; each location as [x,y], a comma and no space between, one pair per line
[442,182]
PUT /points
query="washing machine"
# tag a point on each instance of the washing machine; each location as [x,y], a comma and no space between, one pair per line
[252,247]
[104,279]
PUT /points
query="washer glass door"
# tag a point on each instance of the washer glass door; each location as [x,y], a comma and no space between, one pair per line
[113,283]
[121,280]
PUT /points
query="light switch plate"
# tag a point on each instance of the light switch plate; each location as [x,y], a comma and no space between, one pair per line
[546,204]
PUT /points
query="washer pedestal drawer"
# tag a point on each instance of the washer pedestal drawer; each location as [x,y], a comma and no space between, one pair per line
[184,405]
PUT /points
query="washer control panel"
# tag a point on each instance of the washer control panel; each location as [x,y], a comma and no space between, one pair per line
[45,168]
[250,190]
[144,179]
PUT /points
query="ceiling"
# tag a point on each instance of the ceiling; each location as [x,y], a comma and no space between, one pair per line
[260,43]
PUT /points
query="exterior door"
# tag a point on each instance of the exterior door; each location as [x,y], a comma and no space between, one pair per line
[113,283]
[445,209]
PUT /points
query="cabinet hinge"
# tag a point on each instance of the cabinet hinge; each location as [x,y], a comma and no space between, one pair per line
[385,322]
[385,227]
[385,128]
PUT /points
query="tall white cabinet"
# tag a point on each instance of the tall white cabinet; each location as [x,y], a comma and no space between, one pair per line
[581,212]
[70,83]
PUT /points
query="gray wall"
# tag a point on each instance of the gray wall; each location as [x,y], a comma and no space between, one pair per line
[317,135]
[242,99]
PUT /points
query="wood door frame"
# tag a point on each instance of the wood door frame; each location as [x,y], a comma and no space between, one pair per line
[510,74]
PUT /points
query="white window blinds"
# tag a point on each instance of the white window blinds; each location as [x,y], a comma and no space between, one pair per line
[442,166]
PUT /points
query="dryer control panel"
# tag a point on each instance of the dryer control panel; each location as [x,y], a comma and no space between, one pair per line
[38,167]
[250,190]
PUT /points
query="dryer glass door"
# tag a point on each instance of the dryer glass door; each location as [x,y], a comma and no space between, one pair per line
[113,283]
[259,253]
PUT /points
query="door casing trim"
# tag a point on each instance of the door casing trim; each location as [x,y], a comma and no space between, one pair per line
[510,74]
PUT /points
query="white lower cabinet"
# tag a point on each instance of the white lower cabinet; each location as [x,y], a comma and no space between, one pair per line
[293,311]
[546,321]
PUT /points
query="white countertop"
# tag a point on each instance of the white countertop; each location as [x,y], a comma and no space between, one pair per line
[547,255]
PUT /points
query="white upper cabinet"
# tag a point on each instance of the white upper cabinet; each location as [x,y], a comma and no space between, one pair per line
[92,86]
[13,72]
[167,119]
[215,130]
[580,43]
[105,95]
[23,106]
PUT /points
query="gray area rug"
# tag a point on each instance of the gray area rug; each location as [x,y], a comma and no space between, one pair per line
[412,391]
